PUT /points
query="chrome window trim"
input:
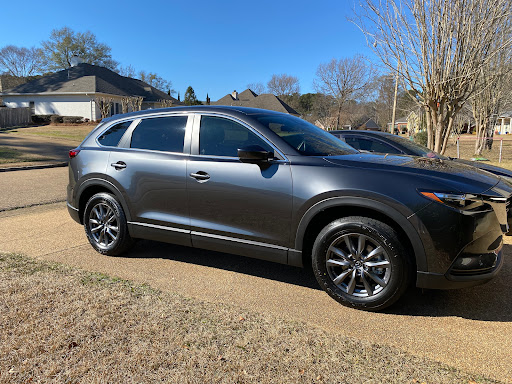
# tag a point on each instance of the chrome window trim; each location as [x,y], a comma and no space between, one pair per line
[197,128]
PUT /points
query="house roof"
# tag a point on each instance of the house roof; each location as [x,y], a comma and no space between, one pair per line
[248,94]
[370,124]
[87,78]
[250,99]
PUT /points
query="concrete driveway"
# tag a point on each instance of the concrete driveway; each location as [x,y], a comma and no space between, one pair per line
[470,329]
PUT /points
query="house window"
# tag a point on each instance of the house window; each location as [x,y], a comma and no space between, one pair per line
[32,107]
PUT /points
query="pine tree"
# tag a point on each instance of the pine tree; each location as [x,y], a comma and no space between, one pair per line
[190,97]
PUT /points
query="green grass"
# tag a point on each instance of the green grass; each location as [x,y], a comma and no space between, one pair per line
[13,155]
[63,324]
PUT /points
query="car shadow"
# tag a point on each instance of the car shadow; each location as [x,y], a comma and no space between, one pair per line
[486,302]
[225,261]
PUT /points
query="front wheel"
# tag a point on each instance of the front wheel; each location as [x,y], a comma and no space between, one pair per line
[105,225]
[361,263]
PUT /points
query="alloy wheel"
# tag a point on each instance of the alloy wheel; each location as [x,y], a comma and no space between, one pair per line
[358,265]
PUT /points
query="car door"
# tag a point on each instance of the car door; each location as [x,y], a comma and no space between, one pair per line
[149,167]
[237,207]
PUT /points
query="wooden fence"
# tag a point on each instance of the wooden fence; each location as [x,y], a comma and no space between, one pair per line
[13,117]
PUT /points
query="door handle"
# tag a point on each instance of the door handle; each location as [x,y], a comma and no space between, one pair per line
[119,165]
[200,176]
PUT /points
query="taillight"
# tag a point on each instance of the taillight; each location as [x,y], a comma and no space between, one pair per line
[73,152]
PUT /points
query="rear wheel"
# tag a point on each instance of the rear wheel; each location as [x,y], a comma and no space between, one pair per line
[105,225]
[361,263]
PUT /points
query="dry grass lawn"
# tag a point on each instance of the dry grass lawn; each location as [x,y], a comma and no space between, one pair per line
[13,155]
[60,324]
[69,132]
[467,150]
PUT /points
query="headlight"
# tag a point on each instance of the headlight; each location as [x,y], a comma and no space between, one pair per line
[462,201]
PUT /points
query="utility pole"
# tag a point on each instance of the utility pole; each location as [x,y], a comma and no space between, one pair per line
[394,100]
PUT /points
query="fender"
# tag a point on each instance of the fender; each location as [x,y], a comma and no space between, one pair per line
[93,181]
[407,223]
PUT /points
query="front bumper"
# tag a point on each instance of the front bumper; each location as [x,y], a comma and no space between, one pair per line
[450,281]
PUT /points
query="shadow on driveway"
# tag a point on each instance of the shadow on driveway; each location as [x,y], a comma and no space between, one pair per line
[487,302]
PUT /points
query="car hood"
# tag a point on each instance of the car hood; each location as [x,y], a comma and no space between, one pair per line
[456,176]
[486,167]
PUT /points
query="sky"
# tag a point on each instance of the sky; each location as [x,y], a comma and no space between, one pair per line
[214,46]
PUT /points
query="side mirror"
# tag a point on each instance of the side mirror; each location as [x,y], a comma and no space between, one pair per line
[254,154]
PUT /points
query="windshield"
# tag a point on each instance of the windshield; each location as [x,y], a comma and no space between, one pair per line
[306,138]
[414,148]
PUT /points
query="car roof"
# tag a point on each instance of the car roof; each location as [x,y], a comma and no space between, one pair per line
[230,110]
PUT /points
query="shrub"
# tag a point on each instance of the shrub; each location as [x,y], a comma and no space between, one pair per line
[421,138]
[72,119]
[42,119]
[55,119]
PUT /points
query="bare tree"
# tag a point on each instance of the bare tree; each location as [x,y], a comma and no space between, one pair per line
[439,48]
[135,103]
[20,61]
[494,90]
[156,81]
[127,71]
[125,103]
[283,85]
[165,103]
[104,104]
[258,88]
[344,79]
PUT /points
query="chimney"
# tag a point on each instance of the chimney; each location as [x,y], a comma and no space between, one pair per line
[234,95]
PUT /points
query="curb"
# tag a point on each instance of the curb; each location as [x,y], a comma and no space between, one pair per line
[29,167]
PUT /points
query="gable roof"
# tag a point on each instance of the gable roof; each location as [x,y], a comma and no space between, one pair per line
[246,95]
[370,124]
[272,102]
[250,99]
[87,78]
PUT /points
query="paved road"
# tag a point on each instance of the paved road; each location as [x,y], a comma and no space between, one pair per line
[470,329]
[30,187]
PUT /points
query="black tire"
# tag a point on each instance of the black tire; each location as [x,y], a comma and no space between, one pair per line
[355,276]
[105,225]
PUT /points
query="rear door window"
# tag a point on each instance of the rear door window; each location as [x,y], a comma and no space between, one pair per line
[112,136]
[160,134]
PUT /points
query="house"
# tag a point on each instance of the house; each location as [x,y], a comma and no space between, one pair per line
[248,98]
[400,125]
[503,123]
[81,90]
[369,125]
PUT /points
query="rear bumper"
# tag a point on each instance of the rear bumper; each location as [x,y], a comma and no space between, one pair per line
[449,281]
[73,212]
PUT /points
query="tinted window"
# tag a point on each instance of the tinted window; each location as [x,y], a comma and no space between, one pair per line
[160,134]
[415,149]
[111,137]
[223,137]
[365,144]
[305,137]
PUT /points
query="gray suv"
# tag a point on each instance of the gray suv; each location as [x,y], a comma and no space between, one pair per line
[272,186]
